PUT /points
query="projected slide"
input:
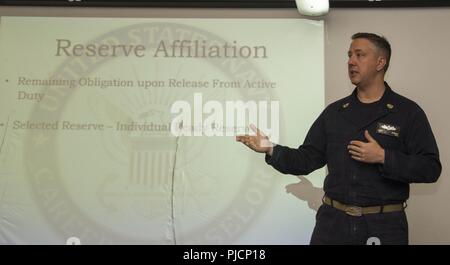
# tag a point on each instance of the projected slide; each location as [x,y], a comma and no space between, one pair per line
[121,131]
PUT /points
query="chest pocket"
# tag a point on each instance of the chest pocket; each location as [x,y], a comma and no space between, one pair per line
[388,141]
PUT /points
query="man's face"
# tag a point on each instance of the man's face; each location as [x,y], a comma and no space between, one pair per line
[364,62]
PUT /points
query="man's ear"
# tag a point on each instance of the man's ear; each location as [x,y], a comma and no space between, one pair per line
[381,63]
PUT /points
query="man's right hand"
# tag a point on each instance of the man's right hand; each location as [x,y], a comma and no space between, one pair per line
[259,143]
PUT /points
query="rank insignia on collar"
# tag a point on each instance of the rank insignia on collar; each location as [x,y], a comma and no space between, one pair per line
[345,105]
[389,106]
[388,129]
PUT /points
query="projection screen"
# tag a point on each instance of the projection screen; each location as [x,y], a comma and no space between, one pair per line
[88,149]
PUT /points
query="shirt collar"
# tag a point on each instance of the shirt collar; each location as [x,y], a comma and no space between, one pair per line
[385,101]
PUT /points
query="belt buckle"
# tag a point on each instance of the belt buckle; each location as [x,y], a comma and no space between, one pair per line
[354,211]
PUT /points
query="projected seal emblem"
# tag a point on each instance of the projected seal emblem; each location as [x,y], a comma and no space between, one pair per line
[113,173]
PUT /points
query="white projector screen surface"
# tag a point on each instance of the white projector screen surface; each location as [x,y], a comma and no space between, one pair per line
[85,117]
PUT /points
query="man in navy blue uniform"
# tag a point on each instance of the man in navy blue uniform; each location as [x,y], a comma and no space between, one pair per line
[374,142]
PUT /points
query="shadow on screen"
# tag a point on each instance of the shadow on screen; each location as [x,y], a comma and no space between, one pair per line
[305,191]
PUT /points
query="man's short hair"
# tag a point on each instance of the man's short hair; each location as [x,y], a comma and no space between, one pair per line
[379,41]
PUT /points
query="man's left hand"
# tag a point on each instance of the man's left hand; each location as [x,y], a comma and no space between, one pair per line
[370,152]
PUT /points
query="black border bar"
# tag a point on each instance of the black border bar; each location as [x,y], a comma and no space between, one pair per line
[224,3]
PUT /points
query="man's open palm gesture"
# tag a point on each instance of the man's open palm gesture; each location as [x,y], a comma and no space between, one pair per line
[259,142]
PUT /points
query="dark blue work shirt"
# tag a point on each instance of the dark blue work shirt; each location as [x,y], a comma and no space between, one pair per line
[399,126]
